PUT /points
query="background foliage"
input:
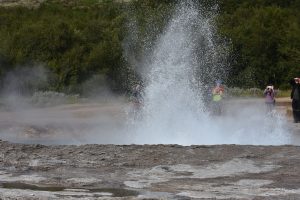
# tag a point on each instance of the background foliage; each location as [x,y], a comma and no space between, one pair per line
[77,41]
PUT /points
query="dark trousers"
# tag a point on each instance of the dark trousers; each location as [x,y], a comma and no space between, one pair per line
[216,107]
[296,110]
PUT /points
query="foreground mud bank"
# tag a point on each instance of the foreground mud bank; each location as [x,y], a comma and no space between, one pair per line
[149,172]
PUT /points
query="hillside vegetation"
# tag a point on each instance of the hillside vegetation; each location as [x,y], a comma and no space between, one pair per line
[81,44]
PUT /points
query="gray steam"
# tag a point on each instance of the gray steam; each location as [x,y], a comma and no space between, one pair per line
[31,114]
[20,83]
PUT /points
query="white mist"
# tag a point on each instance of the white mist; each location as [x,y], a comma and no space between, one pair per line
[174,112]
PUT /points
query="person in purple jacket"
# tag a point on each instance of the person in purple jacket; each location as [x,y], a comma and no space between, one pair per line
[269,94]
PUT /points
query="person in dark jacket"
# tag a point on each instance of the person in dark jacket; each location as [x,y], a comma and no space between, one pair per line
[137,101]
[295,96]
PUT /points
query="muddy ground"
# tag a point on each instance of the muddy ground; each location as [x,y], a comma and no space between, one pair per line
[95,171]
[149,172]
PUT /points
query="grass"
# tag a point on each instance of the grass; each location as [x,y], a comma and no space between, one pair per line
[253,92]
[283,93]
[50,98]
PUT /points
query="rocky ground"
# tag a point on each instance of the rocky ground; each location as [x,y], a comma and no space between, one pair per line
[149,172]
[95,171]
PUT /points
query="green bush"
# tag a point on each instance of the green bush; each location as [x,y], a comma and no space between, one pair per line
[77,39]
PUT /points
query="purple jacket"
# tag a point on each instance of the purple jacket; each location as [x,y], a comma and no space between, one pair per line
[269,95]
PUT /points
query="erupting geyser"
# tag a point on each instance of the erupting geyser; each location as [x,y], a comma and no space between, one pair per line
[185,59]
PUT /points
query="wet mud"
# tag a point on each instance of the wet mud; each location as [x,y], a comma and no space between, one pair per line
[149,171]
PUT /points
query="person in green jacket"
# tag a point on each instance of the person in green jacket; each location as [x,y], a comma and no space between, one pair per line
[217,96]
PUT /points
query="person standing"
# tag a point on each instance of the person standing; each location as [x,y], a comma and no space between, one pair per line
[295,96]
[136,100]
[269,98]
[217,96]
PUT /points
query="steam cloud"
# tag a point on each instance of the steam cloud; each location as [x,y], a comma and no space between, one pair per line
[185,59]
[177,71]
